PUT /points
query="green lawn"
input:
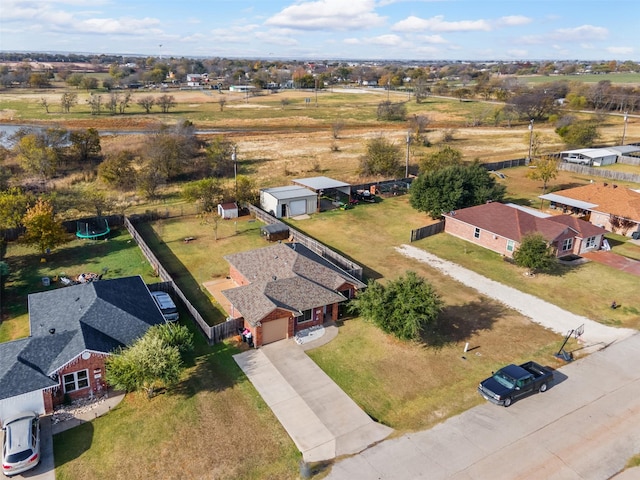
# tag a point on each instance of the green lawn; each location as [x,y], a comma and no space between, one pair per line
[213,425]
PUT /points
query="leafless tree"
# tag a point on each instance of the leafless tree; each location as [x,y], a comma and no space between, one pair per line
[166,102]
[44,104]
[68,100]
[336,128]
[147,102]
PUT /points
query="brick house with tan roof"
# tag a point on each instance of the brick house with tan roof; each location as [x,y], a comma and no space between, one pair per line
[285,288]
[501,228]
[615,208]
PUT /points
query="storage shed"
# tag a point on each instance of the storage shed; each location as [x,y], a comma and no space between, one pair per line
[275,231]
[332,191]
[289,201]
[228,210]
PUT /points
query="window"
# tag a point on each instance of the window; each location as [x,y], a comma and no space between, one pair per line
[510,245]
[591,242]
[476,233]
[305,317]
[567,244]
[76,380]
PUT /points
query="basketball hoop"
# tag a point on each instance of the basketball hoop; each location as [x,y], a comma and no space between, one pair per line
[578,331]
[568,356]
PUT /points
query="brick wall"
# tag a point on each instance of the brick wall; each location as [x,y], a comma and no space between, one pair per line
[274,315]
[487,239]
[95,370]
[238,277]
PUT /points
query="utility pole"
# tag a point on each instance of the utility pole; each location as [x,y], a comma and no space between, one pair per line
[624,129]
[406,169]
[530,140]
[234,159]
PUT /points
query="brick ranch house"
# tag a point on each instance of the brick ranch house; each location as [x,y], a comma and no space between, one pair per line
[500,228]
[73,330]
[285,288]
[607,205]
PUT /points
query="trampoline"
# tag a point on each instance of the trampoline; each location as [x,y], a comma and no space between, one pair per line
[92,229]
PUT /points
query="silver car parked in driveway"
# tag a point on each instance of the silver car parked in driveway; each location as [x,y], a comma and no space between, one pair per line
[20,443]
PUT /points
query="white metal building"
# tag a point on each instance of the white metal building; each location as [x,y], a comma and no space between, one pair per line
[594,157]
[289,201]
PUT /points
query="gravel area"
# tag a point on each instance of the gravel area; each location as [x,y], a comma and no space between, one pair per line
[544,313]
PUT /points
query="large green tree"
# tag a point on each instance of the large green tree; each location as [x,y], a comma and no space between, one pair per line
[579,134]
[36,157]
[85,143]
[382,157]
[453,188]
[445,156]
[545,169]
[13,206]
[209,192]
[153,361]
[534,253]
[407,307]
[43,231]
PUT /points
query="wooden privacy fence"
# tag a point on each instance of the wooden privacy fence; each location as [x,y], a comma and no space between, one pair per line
[343,262]
[214,333]
[600,172]
[424,232]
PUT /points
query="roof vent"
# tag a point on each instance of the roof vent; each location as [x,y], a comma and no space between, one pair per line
[614,185]
[52,331]
[274,278]
[605,184]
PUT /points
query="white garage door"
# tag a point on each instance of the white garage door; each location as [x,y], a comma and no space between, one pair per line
[297,207]
[27,402]
[275,330]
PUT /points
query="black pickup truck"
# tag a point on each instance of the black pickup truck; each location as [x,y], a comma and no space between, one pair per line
[514,381]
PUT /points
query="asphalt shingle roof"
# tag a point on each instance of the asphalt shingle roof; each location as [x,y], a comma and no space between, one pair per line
[287,276]
[98,316]
[608,198]
[508,222]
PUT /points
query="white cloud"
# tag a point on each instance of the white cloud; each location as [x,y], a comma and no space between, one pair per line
[328,15]
[125,25]
[352,41]
[517,53]
[387,40]
[620,50]
[513,20]
[438,24]
[432,39]
[581,33]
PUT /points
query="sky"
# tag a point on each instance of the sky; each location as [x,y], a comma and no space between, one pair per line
[328,29]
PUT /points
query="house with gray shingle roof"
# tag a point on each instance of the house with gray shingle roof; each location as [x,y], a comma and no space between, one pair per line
[501,228]
[72,330]
[285,288]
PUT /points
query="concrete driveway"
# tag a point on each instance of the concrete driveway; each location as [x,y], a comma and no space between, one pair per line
[586,426]
[321,419]
[45,469]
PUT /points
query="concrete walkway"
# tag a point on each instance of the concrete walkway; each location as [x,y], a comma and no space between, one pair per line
[320,418]
[544,313]
[86,414]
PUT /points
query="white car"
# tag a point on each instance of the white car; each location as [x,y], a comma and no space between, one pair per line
[166,306]
[20,443]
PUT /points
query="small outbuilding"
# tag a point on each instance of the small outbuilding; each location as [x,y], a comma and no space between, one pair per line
[333,192]
[594,157]
[274,232]
[289,201]
[228,210]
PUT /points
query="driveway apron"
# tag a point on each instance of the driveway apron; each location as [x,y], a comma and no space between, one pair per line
[320,418]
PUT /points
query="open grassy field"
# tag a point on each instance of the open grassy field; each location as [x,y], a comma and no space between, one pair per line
[278,142]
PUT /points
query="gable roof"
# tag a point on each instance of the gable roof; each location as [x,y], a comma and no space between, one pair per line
[98,316]
[508,222]
[289,192]
[286,276]
[582,228]
[606,198]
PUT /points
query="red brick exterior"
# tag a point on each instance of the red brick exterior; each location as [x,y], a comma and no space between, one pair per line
[487,239]
[498,243]
[237,277]
[47,396]
[95,369]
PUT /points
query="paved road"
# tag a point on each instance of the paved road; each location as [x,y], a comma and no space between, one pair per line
[585,427]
